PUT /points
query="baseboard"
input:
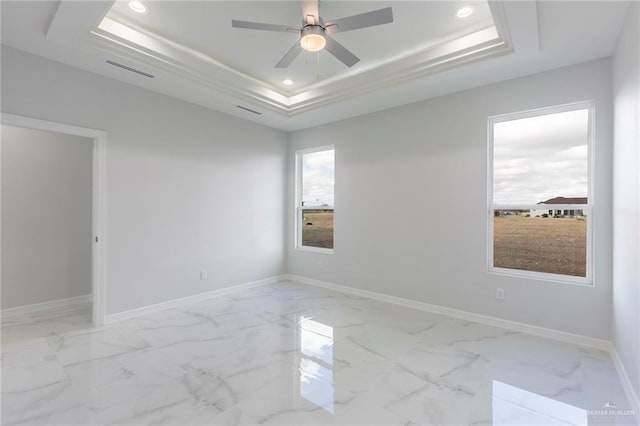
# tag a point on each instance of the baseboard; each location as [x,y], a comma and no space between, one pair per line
[11,313]
[455,313]
[111,318]
[632,396]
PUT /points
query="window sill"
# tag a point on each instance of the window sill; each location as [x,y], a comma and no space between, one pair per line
[542,276]
[315,249]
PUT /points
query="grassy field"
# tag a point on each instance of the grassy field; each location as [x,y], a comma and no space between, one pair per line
[540,244]
[535,244]
[317,228]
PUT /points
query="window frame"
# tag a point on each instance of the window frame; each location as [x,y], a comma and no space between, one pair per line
[299,208]
[587,208]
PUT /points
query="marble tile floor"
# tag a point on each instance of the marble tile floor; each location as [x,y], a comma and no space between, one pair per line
[291,354]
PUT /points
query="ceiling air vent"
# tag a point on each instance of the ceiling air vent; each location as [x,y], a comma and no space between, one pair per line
[249,110]
[124,67]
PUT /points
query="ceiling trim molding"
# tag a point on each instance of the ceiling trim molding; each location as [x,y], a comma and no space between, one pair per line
[85,25]
[434,60]
[183,62]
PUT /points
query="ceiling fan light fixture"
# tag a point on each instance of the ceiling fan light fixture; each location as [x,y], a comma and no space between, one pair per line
[312,39]
[315,34]
[464,11]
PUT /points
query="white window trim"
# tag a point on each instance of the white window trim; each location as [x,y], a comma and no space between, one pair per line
[298,208]
[591,220]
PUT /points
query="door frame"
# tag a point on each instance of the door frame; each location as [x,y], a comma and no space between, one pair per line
[99,200]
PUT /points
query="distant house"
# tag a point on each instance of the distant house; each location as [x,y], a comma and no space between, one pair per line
[548,209]
[509,212]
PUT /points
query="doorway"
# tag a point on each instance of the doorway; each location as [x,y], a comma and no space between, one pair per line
[98,200]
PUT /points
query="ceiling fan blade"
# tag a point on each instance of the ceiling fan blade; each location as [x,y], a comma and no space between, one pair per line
[310,12]
[290,56]
[363,20]
[340,52]
[264,27]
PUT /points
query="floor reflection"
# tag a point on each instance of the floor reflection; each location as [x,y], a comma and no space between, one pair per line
[512,405]
[316,363]
[238,361]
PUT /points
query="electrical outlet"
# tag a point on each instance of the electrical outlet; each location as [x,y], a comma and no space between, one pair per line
[203,275]
[499,293]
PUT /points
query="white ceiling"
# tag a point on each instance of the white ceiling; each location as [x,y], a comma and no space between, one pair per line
[206,27]
[195,55]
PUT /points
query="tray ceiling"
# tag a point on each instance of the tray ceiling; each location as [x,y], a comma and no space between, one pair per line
[195,40]
[193,53]
[205,27]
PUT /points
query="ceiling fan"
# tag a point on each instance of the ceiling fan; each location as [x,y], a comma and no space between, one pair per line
[315,34]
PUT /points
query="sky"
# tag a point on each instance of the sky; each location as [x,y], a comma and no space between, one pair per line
[318,177]
[538,158]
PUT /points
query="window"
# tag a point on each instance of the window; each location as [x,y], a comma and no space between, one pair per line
[314,199]
[539,193]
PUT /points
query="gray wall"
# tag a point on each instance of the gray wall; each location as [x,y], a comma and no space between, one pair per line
[187,188]
[626,197]
[46,216]
[410,199]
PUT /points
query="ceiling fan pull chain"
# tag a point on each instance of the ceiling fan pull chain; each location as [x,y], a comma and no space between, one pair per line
[318,66]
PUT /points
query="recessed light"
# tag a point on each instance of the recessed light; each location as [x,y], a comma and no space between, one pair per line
[287,82]
[464,11]
[137,6]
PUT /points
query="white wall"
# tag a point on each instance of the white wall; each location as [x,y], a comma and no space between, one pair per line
[187,188]
[626,196]
[46,216]
[410,201]
[191,189]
